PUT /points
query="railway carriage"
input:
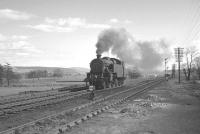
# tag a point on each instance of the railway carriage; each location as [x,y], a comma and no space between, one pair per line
[106,72]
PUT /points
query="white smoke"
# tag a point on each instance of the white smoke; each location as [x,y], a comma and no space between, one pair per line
[146,55]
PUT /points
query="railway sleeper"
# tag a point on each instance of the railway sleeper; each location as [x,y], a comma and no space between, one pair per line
[102,110]
[34,105]
[90,115]
[38,99]
[34,96]
[62,99]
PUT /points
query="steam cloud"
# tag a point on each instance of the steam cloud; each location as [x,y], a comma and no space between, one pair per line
[146,55]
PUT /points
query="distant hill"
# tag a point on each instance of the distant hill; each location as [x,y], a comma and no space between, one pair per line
[72,70]
[80,69]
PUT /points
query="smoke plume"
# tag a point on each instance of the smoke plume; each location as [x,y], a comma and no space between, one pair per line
[146,55]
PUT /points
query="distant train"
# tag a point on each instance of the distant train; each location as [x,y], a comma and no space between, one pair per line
[106,72]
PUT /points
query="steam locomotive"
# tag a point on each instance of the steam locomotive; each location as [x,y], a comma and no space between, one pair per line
[106,72]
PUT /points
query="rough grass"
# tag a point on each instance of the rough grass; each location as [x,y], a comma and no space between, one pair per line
[40,84]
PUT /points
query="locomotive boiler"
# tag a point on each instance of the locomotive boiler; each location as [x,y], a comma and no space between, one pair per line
[106,72]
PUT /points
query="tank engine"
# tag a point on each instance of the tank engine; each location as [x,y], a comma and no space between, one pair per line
[106,72]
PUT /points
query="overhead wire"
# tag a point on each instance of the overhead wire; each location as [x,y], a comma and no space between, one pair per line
[193,31]
[183,25]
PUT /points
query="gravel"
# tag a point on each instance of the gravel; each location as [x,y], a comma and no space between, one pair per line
[167,109]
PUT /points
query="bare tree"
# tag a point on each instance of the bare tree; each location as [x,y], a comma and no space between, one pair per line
[184,70]
[197,66]
[58,73]
[190,55]
[8,73]
[37,74]
[1,75]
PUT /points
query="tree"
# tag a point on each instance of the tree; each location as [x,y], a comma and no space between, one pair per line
[16,76]
[1,75]
[190,55]
[31,74]
[41,73]
[197,66]
[57,73]
[37,74]
[8,73]
[185,71]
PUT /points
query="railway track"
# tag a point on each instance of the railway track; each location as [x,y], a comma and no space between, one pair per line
[80,113]
[38,94]
[31,102]
[24,103]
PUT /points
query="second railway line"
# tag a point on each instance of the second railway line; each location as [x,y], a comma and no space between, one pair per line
[81,103]
[26,103]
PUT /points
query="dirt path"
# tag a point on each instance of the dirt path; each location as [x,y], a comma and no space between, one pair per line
[168,109]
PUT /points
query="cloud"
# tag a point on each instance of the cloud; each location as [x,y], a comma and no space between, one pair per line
[66,25]
[19,37]
[13,37]
[115,21]
[16,45]
[2,37]
[14,15]
[51,28]
[101,26]
[59,21]
[127,21]
[76,22]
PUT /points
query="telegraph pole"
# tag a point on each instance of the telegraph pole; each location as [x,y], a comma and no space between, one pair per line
[179,58]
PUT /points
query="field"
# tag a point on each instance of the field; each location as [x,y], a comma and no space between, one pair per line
[41,84]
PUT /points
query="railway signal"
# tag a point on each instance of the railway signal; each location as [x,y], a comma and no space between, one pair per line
[166,68]
[173,70]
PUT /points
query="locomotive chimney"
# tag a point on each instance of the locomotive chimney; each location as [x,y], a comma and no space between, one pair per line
[98,56]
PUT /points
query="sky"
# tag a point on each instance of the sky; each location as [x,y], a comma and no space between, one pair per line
[63,33]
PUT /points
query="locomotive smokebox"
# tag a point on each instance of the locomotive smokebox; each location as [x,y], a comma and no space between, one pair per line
[98,56]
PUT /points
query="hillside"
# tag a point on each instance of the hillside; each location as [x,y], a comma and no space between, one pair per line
[80,69]
[72,70]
